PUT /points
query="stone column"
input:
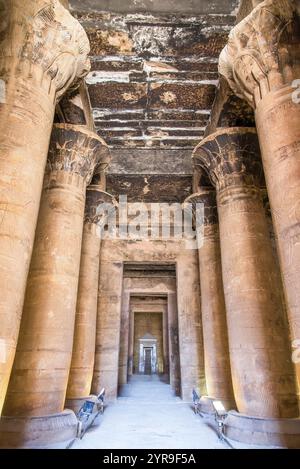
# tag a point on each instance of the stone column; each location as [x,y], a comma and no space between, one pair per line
[215,337]
[38,382]
[130,342]
[124,338]
[189,324]
[260,63]
[275,252]
[43,50]
[97,208]
[108,327]
[165,342]
[262,371]
[174,356]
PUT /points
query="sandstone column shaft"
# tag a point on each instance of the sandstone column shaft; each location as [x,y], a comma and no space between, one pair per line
[165,342]
[108,328]
[215,337]
[261,65]
[174,356]
[40,373]
[130,343]
[81,371]
[82,365]
[43,49]
[192,371]
[262,371]
[124,339]
[277,116]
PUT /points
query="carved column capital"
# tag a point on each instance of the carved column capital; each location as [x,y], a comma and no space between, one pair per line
[231,157]
[263,50]
[41,41]
[95,199]
[207,197]
[75,149]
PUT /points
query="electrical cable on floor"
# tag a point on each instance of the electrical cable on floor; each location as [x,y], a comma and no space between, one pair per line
[227,442]
[222,438]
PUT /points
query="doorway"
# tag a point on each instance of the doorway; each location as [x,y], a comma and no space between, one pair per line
[148,360]
[148,344]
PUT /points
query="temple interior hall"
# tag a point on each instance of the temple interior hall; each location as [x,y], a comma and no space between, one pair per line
[149,224]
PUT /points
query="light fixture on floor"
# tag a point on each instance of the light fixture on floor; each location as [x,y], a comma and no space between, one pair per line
[220,416]
[196,401]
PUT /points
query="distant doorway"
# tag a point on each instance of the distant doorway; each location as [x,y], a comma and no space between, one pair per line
[148,355]
[148,360]
[150,334]
[150,321]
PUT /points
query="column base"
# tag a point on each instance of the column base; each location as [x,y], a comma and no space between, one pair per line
[206,405]
[76,404]
[284,433]
[49,431]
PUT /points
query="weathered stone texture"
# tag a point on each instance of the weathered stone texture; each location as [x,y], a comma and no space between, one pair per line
[269,90]
[145,62]
[108,327]
[47,326]
[43,50]
[213,311]
[153,6]
[267,42]
[190,325]
[153,188]
[82,364]
[262,371]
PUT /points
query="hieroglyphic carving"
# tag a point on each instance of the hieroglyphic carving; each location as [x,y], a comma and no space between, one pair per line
[43,51]
[41,40]
[263,50]
[231,157]
[208,199]
[96,198]
[75,149]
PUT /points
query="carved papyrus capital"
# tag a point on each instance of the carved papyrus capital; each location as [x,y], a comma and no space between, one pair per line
[98,206]
[263,50]
[231,157]
[75,149]
[40,40]
[207,198]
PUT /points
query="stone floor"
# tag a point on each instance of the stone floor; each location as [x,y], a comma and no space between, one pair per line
[148,416]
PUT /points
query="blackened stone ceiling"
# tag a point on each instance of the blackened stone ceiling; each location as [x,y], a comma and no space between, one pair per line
[152,86]
[154,77]
[161,6]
